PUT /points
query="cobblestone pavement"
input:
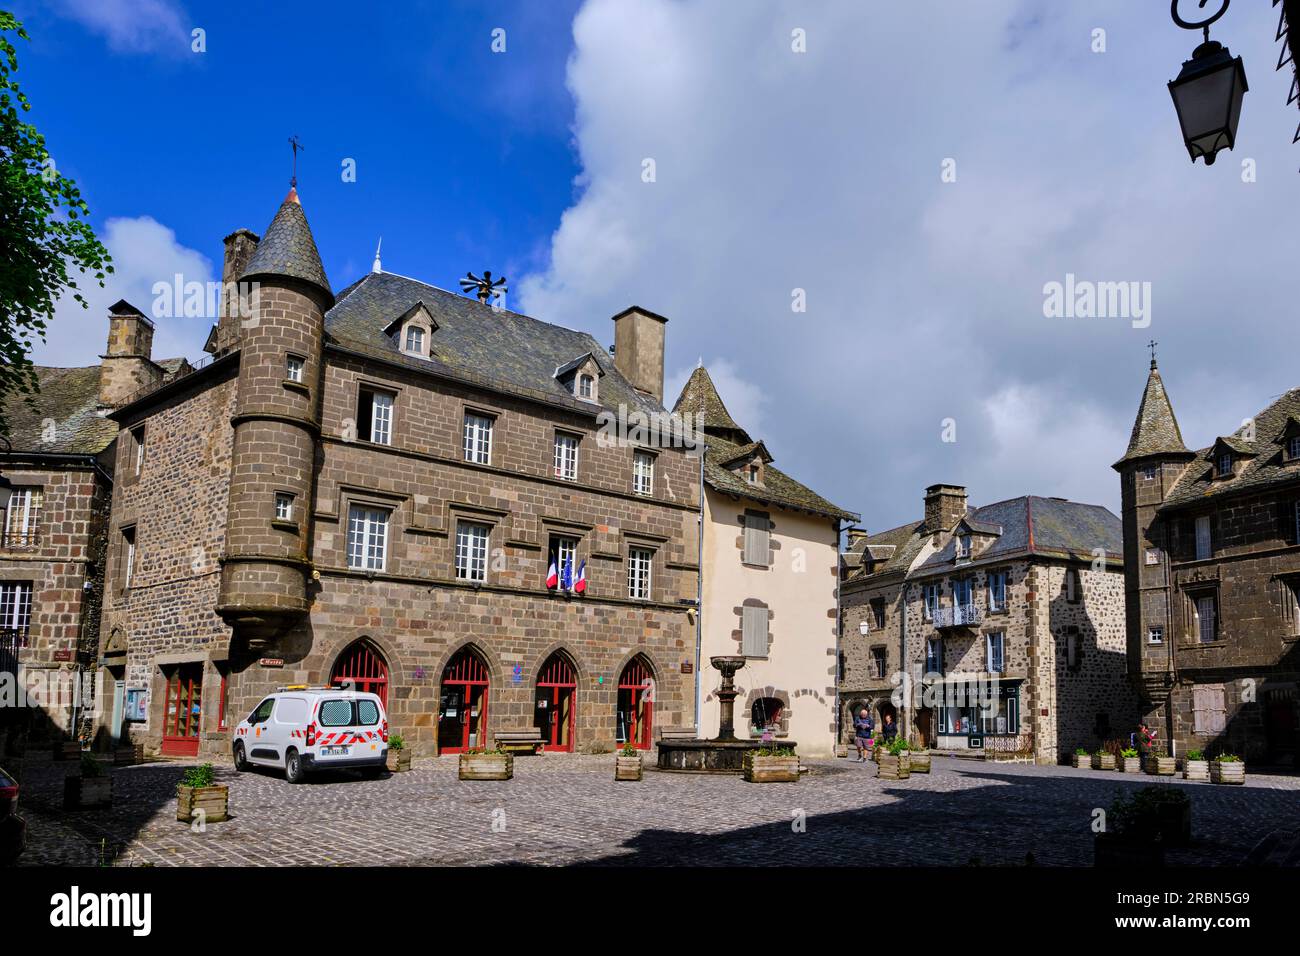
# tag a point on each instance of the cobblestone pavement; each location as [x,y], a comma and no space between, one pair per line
[567,809]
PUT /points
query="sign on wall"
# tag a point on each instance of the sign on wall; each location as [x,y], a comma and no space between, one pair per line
[137,704]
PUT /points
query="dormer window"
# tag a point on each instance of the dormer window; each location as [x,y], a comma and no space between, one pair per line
[586,386]
[414,339]
[963,546]
[1293,448]
[752,475]
[1225,464]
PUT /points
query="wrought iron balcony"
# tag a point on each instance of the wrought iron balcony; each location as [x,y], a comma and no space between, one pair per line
[961,615]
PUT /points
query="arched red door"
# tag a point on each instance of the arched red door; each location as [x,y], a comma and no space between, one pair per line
[462,704]
[556,703]
[636,703]
[361,667]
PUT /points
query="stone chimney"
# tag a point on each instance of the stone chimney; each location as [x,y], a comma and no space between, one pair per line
[639,350]
[239,248]
[127,366]
[855,535]
[944,507]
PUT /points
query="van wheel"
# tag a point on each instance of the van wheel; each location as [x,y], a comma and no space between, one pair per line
[241,762]
[293,767]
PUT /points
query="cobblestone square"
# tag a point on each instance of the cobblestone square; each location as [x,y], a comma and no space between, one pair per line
[567,809]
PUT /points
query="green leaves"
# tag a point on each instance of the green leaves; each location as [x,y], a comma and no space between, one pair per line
[45,239]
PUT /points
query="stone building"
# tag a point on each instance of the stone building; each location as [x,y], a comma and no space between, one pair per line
[372,486]
[997,629]
[54,528]
[1212,572]
[770,552]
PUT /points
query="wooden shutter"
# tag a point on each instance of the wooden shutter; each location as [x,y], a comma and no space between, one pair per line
[1208,710]
[754,631]
[756,540]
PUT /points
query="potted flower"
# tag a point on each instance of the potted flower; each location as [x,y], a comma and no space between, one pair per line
[399,758]
[770,765]
[1129,761]
[627,765]
[480,763]
[918,759]
[89,786]
[1196,767]
[1159,764]
[198,794]
[1227,768]
[1103,760]
[1081,759]
[893,761]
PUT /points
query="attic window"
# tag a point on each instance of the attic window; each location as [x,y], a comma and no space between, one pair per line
[1225,464]
[963,546]
[1293,448]
[751,475]
[414,340]
[586,386]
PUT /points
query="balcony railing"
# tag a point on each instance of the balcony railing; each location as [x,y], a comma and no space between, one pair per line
[961,615]
[20,539]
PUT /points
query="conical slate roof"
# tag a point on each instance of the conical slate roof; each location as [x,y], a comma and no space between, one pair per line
[287,248]
[1155,432]
[701,399]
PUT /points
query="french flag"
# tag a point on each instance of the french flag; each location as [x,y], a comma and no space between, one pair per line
[552,577]
[580,585]
[566,581]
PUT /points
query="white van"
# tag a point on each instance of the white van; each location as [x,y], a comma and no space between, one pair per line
[302,729]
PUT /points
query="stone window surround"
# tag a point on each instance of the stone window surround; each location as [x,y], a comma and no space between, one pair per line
[653,455]
[738,635]
[417,318]
[296,384]
[760,693]
[285,524]
[558,431]
[473,514]
[135,452]
[127,551]
[655,547]
[483,411]
[773,545]
[1191,637]
[396,431]
[378,500]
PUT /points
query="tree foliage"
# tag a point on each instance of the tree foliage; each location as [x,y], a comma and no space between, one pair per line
[45,237]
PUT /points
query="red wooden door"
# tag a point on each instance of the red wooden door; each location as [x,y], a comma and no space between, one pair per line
[183,711]
[556,703]
[462,704]
[362,668]
[636,704]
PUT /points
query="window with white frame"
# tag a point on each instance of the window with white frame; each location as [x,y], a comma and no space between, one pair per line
[930,597]
[375,416]
[367,538]
[471,550]
[478,438]
[963,592]
[1204,546]
[639,561]
[1207,624]
[995,645]
[1293,447]
[586,386]
[1149,473]
[566,456]
[15,608]
[753,631]
[415,339]
[643,473]
[293,367]
[1156,634]
[137,438]
[997,590]
[128,556]
[283,506]
[1225,464]
[963,546]
[22,517]
[564,554]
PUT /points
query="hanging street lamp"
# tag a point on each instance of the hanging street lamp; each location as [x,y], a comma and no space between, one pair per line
[1208,91]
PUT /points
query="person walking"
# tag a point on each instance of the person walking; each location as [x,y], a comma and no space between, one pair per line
[863,729]
[890,730]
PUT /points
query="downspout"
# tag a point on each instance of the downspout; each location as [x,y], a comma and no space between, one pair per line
[839,629]
[699,595]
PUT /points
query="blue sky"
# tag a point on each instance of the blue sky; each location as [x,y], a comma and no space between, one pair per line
[779,172]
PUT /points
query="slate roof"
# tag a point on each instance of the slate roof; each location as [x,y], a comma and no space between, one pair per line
[1254,473]
[69,396]
[474,343]
[701,399]
[898,546]
[288,248]
[1155,432]
[1048,527]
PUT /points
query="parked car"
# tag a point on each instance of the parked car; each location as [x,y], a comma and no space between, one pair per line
[300,729]
[13,828]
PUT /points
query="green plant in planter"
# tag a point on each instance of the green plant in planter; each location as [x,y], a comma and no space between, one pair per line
[90,767]
[1128,752]
[1081,752]
[204,775]
[1101,752]
[629,750]
[486,752]
[396,742]
[898,746]
[774,752]
[1196,755]
[1228,758]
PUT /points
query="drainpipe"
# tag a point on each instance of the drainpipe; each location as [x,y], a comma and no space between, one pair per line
[839,628]
[699,596]
[905,730]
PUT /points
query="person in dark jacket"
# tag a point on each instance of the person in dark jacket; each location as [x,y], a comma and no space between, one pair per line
[890,730]
[863,730]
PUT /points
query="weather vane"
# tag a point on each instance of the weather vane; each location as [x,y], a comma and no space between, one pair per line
[1152,346]
[295,145]
[484,288]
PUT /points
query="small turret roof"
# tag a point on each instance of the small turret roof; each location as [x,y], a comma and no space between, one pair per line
[1155,431]
[288,248]
[700,398]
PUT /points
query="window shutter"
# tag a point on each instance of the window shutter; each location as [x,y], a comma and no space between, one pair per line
[756,540]
[754,631]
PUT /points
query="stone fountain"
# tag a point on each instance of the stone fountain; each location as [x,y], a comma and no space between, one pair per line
[724,753]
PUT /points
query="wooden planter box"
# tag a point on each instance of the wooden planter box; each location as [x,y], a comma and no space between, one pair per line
[918,761]
[1103,761]
[893,768]
[757,769]
[1129,764]
[1160,766]
[627,768]
[128,755]
[1230,772]
[1110,852]
[487,766]
[84,793]
[213,801]
[66,750]
[399,761]
[1081,761]
[1196,770]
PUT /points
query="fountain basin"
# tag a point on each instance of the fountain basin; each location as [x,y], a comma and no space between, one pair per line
[710,756]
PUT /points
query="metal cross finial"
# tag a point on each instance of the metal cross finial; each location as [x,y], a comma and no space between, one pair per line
[1152,346]
[295,145]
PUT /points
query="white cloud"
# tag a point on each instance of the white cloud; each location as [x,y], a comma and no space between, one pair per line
[745,400]
[821,171]
[133,26]
[144,252]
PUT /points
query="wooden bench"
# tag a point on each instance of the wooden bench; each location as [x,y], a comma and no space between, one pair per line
[519,741]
